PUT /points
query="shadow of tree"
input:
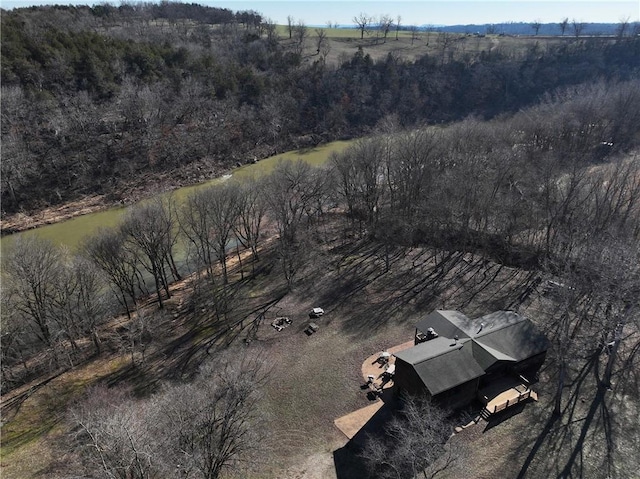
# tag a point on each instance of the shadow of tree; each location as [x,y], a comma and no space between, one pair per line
[559,449]
[348,462]
[419,279]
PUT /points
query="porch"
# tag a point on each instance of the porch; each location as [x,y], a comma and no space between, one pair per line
[504,393]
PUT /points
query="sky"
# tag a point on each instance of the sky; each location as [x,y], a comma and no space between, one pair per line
[415,12]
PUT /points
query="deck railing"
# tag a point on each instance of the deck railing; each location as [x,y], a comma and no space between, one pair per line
[510,402]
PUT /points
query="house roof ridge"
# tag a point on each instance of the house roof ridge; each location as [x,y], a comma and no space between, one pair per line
[487,329]
[457,346]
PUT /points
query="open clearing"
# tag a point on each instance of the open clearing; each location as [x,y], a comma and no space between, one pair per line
[318,378]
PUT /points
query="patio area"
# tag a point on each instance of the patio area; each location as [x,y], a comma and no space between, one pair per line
[380,367]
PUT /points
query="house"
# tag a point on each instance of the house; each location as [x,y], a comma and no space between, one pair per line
[453,357]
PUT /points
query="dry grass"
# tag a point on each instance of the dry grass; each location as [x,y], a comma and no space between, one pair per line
[316,379]
[346,42]
[33,427]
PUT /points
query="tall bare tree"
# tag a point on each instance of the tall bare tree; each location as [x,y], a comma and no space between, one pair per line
[292,200]
[535,25]
[362,22]
[106,249]
[300,34]
[114,437]
[321,39]
[251,210]
[385,23]
[290,25]
[415,30]
[578,27]
[563,25]
[223,211]
[80,304]
[415,442]
[218,427]
[33,268]
[623,27]
[208,219]
[151,233]
[195,430]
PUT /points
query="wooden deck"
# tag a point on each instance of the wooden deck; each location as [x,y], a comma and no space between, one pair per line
[505,393]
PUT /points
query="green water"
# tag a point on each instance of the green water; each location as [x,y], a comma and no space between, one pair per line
[71,232]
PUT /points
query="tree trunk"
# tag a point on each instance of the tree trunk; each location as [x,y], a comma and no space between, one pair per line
[557,410]
[613,353]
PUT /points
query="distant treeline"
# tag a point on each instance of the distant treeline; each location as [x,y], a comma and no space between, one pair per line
[546,29]
[94,99]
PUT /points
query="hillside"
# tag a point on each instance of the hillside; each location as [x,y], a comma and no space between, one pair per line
[173,339]
[111,102]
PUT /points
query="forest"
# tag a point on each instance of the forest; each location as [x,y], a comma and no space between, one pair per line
[547,199]
[500,180]
[99,99]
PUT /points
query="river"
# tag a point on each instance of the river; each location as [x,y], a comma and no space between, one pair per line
[72,231]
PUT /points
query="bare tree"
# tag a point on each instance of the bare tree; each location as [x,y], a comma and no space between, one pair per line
[16,344]
[197,226]
[223,204]
[114,437]
[294,194]
[300,34]
[290,25]
[213,424]
[151,231]
[414,33]
[208,219]
[80,305]
[447,44]
[362,22]
[398,20]
[623,26]
[535,25]
[107,250]
[33,268]
[578,27]
[362,179]
[321,39]
[563,25]
[16,164]
[251,211]
[594,306]
[384,25]
[416,441]
[272,32]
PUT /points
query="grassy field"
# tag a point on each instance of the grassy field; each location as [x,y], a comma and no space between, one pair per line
[344,42]
[315,379]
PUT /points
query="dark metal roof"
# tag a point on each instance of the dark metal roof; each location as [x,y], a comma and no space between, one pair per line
[518,341]
[446,323]
[425,351]
[448,370]
[443,363]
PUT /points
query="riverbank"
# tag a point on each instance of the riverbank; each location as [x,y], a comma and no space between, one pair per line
[51,217]
[19,222]
[137,190]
